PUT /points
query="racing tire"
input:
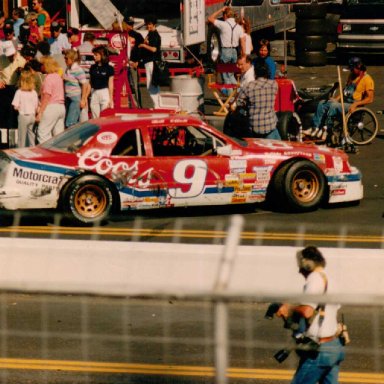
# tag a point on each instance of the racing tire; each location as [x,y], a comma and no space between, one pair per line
[88,199]
[310,11]
[311,58]
[299,186]
[213,45]
[362,126]
[289,126]
[311,43]
[310,27]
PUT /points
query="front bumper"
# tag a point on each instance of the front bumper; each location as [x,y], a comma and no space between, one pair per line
[345,187]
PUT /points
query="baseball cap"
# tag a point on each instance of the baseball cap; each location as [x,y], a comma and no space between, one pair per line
[55,26]
[354,62]
[129,20]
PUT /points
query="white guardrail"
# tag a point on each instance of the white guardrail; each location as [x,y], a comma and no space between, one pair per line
[134,268]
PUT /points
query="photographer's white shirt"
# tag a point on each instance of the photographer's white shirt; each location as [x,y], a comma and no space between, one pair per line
[315,284]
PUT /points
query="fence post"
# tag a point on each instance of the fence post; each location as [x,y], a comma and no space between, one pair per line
[220,305]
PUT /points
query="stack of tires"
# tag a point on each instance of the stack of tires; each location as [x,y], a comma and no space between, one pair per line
[311,34]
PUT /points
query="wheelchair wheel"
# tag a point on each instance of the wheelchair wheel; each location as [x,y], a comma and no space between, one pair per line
[362,126]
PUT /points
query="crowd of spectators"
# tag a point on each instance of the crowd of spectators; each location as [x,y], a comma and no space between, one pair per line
[71,76]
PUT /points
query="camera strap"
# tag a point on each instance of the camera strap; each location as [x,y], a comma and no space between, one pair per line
[320,309]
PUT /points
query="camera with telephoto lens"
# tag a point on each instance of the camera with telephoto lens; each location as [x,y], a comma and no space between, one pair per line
[271,311]
[281,355]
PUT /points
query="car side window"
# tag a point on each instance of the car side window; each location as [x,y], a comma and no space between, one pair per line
[182,141]
[168,141]
[130,144]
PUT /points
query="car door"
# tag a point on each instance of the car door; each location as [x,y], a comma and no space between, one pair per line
[186,158]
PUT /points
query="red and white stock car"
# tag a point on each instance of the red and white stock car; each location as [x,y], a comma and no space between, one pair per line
[141,161]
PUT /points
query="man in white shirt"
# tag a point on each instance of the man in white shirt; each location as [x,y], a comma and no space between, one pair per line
[231,38]
[59,41]
[317,323]
[247,71]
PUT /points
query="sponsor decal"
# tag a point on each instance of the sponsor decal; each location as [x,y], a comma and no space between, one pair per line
[33,178]
[260,185]
[248,177]
[231,181]
[262,173]
[296,153]
[243,189]
[256,198]
[107,138]
[338,163]
[270,161]
[258,192]
[338,192]
[238,166]
[238,199]
[319,157]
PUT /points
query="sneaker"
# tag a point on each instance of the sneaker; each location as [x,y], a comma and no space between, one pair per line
[315,132]
[308,132]
[323,136]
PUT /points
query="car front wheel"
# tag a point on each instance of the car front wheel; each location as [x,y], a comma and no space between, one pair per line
[299,186]
[88,199]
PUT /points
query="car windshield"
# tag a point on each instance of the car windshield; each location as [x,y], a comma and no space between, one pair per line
[73,138]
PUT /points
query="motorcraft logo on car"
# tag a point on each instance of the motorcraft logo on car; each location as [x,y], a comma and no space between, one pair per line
[107,138]
[33,178]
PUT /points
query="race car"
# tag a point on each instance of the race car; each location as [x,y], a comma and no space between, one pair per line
[161,160]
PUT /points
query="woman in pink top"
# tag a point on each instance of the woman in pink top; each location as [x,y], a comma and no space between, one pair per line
[52,110]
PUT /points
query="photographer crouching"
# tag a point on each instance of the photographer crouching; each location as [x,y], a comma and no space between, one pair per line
[314,326]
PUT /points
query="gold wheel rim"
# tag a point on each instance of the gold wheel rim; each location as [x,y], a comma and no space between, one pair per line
[90,201]
[305,186]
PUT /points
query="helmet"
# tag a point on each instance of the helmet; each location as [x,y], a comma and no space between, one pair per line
[354,62]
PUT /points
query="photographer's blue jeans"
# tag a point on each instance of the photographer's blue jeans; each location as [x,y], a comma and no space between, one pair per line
[324,368]
[327,112]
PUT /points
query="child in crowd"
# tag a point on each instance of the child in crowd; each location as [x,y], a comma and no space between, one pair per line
[26,102]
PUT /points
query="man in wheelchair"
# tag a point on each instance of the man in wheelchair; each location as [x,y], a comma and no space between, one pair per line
[358,91]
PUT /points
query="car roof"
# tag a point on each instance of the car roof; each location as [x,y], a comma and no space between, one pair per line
[140,120]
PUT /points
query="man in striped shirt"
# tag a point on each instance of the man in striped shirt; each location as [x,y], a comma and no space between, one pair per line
[259,97]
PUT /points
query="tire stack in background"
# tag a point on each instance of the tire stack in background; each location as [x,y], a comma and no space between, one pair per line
[311,35]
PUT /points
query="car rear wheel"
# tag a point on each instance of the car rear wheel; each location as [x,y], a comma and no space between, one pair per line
[299,186]
[88,199]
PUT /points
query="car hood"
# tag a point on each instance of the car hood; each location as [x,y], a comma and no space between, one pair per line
[42,155]
[291,147]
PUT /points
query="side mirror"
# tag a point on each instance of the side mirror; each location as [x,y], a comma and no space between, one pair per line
[226,150]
